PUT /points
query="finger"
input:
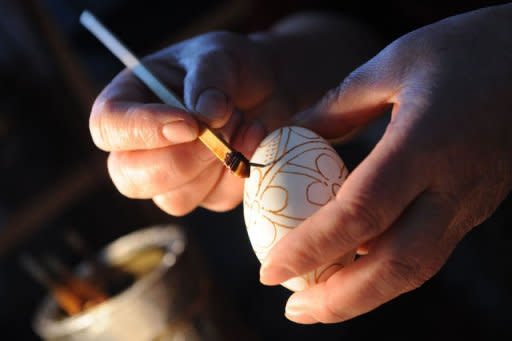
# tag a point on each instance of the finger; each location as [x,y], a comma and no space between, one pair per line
[143,174]
[132,126]
[187,197]
[370,200]
[363,249]
[210,84]
[122,118]
[215,188]
[363,95]
[407,255]
[227,193]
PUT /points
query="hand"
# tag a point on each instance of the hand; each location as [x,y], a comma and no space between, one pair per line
[442,166]
[154,151]
[242,85]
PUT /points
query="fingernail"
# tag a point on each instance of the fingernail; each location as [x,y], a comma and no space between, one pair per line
[297,310]
[272,275]
[179,132]
[213,106]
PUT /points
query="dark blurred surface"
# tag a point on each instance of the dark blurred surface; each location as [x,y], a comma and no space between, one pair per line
[54,180]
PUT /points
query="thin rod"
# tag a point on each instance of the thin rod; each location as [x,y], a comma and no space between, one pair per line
[217,145]
[129,59]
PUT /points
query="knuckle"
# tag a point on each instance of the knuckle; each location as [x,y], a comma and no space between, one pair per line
[397,275]
[309,253]
[359,221]
[215,67]
[356,77]
[219,49]
[447,201]
[219,58]
[332,311]
[332,97]
[365,76]
[306,258]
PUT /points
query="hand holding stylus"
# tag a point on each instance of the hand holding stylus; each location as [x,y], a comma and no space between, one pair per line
[230,82]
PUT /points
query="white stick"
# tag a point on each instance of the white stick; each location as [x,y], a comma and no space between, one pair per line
[129,59]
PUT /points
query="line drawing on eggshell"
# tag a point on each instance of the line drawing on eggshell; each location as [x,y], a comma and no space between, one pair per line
[285,160]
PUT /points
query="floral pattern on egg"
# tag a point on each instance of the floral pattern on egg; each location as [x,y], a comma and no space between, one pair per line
[303,173]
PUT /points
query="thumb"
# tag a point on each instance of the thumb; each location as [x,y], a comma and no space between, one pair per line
[209,86]
[361,97]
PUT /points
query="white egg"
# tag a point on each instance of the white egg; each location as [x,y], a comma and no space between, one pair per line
[303,173]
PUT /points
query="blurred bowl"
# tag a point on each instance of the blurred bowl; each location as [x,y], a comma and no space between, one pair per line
[155,304]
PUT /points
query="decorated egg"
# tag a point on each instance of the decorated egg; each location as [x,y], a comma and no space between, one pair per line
[302,173]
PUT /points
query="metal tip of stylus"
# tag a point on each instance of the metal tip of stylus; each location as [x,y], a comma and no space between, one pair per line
[258,164]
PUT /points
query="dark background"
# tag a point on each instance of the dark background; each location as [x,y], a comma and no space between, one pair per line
[53,180]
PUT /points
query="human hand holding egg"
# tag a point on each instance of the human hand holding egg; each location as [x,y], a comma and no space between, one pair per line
[442,166]
[302,173]
[153,148]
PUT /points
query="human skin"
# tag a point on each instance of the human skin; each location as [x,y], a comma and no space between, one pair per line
[442,167]
[243,85]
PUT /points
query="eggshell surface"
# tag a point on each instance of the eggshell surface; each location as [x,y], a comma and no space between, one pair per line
[302,173]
